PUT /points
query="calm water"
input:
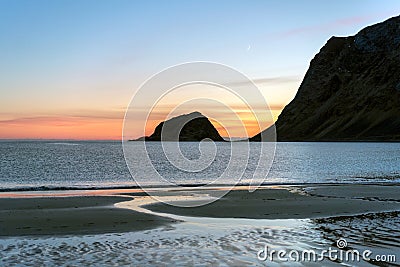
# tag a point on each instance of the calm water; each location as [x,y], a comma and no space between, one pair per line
[82,164]
[199,241]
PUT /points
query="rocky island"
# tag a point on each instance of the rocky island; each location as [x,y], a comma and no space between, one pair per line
[351,91]
[188,127]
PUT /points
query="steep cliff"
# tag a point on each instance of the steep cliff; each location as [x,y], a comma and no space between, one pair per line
[351,91]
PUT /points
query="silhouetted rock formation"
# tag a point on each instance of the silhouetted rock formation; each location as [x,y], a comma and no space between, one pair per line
[351,91]
[187,127]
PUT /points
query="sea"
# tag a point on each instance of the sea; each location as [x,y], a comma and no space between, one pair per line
[63,165]
[70,165]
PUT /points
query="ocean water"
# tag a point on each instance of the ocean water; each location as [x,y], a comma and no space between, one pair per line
[27,165]
[200,241]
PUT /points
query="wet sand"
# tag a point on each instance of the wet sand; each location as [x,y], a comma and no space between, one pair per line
[71,216]
[299,202]
[75,215]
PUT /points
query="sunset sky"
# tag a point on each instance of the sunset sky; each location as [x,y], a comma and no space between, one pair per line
[68,69]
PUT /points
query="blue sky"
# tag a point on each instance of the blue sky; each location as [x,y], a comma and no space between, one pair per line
[73,58]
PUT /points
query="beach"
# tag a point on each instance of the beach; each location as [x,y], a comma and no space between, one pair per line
[116,211]
[126,226]
[293,202]
[71,216]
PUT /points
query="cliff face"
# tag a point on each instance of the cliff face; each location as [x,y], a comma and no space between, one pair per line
[351,91]
[188,127]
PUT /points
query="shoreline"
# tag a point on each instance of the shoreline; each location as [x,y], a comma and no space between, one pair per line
[117,211]
[182,186]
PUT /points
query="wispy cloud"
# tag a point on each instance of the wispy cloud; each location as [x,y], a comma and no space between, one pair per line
[73,118]
[107,124]
[74,125]
[161,111]
[57,121]
[268,80]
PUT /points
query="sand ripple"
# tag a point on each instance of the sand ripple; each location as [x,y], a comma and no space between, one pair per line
[223,243]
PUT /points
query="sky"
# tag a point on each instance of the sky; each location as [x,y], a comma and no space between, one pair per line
[69,68]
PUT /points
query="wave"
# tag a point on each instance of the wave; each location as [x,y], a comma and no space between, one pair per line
[63,188]
[63,144]
[378,178]
[111,187]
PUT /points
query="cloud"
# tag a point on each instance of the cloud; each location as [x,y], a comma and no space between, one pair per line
[161,111]
[107,124]
[74,118]
[269,80]
[45,120]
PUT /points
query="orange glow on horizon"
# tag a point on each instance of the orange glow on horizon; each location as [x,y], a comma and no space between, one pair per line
[91,128]
[62,128]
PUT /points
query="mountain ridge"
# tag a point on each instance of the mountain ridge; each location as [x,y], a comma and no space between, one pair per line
[351,91]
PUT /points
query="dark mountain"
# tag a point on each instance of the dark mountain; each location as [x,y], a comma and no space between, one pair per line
[351,91]
[187,127]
